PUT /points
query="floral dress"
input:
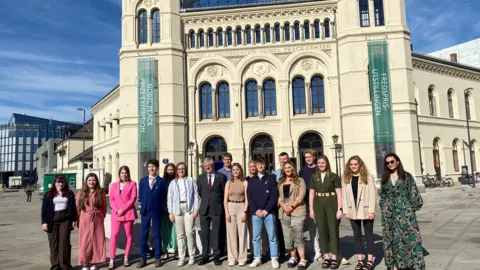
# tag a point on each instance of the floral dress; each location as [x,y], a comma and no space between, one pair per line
[402,242]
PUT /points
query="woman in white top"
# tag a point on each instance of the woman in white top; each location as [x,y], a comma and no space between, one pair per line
[183,203]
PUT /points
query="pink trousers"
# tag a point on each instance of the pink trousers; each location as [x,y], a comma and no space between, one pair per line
[128,225]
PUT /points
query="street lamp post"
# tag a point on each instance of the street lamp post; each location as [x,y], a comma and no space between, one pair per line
[83,139]
[190,153]
[338,154]
[467,116]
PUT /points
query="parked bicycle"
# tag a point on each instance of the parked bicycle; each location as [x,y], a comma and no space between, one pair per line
[433,181]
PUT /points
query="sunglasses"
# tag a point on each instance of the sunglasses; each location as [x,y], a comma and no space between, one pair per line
[391,162]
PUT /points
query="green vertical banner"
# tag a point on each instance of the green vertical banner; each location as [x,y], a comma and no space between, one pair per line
[381,97]
[147,112]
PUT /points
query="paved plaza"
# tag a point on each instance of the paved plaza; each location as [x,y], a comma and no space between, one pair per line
[449,223]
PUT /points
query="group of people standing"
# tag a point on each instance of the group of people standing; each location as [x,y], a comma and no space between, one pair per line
[273,209]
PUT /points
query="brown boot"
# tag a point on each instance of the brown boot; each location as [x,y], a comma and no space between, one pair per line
[158,263]
[142,263]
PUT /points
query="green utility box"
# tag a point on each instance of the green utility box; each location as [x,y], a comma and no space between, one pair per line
[49,178]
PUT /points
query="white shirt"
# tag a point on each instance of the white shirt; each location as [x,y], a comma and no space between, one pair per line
[182,189]
[151,180]
[60,202]
[322,176]
[212,175]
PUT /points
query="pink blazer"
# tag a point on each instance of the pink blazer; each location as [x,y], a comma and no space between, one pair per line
[124,201]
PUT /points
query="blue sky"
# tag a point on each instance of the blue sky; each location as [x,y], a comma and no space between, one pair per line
[57,55]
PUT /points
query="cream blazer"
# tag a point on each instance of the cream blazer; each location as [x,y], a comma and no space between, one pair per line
[366,199]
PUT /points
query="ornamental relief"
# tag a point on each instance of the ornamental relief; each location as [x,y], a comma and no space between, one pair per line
[429,67]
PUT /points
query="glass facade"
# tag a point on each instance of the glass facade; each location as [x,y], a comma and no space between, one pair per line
[218,4]
[20,139]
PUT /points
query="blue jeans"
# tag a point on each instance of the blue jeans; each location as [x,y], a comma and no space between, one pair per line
[270,223]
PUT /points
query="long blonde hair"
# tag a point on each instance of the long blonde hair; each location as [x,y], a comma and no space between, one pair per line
[295,177]
[363,171]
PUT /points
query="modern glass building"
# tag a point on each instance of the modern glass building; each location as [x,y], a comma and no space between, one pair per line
[20,138]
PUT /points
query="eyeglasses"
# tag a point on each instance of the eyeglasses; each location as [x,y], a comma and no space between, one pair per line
[391,162]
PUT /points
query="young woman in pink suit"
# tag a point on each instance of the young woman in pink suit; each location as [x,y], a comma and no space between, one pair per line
[92,209]
[123,195]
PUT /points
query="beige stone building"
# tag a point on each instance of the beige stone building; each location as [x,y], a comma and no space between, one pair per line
[264,78]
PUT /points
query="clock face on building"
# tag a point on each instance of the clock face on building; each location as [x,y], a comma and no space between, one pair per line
[259,69]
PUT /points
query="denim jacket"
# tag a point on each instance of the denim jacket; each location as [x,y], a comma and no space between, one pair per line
[173,197]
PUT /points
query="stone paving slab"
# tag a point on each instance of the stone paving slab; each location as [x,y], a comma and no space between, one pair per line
[449,223]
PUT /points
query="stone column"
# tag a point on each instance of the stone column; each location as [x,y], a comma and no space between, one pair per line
[282,34]
[262,34]
[244,37]
[214,104]
[302,32]
[236,110]
[261,109]
[149,27]
[371,12]
[333,33]
[308,98]
[322,30]
[312,31]
[283,95]
[192,112]
[273,35]
[215,39]
[225,39]
[292,33]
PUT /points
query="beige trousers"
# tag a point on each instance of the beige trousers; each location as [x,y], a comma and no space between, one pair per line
[184,227]
[237,250]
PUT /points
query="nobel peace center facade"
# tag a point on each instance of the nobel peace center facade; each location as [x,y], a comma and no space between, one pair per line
[256,78]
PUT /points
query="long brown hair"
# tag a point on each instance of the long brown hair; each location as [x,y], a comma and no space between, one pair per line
[127,170]
[166,176]
[327,161]
[241,177]
[175,168]
[363,171]
[386,171]
[283,176]
[66,192]
[85,193]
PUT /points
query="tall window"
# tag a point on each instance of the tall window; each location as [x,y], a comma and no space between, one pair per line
[248,34]
[364,15]
[296,31]
[229,36]
[215,148]
[306,29]
[432,102]
[220,37]
[142,27]
[450,103]
[456,167]
[156,26]
[252,98]
[269,98]
[201,37]
[268,37]
[286,29]
[206,101]
[277,32]
[210,38]
[223,100]
[239,36]
[379,15]
[192,39]
[258,34]
[316,29]
[318,95]
[467,104]
[299,96]
[326,25]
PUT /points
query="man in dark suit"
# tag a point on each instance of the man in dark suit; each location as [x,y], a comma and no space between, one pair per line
[152,194]
[211,188]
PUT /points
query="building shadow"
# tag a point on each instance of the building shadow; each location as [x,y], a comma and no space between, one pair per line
[347,248]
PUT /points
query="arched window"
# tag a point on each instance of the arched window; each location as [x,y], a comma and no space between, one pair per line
[262,146]
[299,96]
[364,15]
[316,29]
[192,39]
[239,35]
[450,103]
[201,37]
[456,166]
[296,31]
[269,98]
[432,102]
[258,34]
[248,34]
[310,140]
[467,105]
[206,101]
[268,37]
[436,157]
[215,148]
[326,27]
[306,29]
[379,14]
[156,26]
[211,41]
[220,37]
[223,100]
[252,98]
[286,29]
[277,32]
[318,95]
[142,27]
[229,36]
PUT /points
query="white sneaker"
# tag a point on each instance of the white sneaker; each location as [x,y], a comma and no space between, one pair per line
[85,268]
[232,263]
[242,263]
[181,262]
[191,261]
[255,263]
[275,264]
[344,261]
[318,257]
[93,267]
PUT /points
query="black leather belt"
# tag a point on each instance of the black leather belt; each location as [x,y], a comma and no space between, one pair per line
[236,201]
[183,202]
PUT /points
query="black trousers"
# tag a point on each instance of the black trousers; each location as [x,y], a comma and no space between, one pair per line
[357,235]
[210,238]
[29,197]
[59,242]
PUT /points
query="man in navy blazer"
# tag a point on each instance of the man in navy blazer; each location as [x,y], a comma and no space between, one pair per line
[152,194]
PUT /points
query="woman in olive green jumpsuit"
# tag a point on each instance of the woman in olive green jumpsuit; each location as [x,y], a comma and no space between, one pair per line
[326,209]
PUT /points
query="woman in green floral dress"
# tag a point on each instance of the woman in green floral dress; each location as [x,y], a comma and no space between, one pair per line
[399,201]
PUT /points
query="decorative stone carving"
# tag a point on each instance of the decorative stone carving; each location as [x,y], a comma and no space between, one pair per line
[259,69]
[440,69]
[193,61]
[235,60]
[148,3]
[282,56]
[212,71]
[328,52]
[306,64]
